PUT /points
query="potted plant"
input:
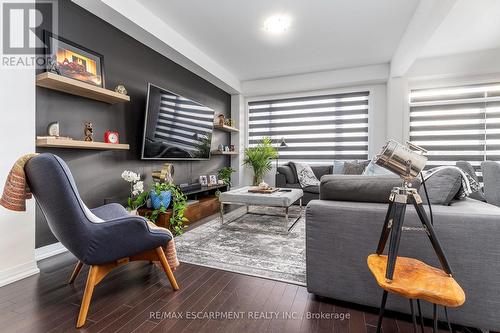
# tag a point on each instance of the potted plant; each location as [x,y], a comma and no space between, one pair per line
[165,192]
[224,174]
[260,159]
[137,195]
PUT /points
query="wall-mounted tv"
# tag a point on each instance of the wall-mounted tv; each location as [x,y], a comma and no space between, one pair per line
[176,128]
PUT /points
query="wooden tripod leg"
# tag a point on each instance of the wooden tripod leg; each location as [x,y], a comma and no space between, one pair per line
[166,268]
[76,271]
[87,295]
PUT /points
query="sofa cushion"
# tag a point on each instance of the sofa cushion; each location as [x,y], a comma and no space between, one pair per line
[442,186]
[355,167]
[311,189]
[359,188]
[321,170]
[289,173]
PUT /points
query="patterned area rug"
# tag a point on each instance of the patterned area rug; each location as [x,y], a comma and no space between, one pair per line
[253,244]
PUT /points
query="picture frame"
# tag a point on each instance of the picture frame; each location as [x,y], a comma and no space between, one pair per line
[74,61]
[203,180]
[212,181]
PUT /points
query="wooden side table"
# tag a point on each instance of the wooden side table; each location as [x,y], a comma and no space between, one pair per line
[414,279]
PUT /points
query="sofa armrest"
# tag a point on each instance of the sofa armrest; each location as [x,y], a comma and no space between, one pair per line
[280,180]
[122,237]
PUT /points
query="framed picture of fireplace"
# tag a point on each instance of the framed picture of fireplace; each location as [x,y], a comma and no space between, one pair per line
[74,61]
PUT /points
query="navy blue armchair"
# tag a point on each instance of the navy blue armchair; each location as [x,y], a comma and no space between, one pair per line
[103,238]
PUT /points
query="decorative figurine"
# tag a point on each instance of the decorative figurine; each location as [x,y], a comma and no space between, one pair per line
[121,89]
[221,119]
[88,131]
[165,175]
[231,148]
[226,148]
[220,147]
[53,129]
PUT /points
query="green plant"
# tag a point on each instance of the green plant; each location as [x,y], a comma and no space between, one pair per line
[260,159]
[224,174]
[179,205]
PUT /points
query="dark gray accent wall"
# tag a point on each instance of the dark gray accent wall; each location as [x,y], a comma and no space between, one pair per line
[127,61]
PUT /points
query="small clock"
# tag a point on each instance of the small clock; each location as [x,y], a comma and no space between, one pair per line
[111,137]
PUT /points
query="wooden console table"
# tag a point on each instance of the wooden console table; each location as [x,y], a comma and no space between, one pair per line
[207,204]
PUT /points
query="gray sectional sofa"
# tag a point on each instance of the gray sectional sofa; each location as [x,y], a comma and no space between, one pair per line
[341,234]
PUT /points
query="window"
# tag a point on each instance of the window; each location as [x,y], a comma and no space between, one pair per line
[315,128]
[457,123]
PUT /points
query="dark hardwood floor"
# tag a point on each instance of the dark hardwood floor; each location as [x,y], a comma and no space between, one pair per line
[138,298]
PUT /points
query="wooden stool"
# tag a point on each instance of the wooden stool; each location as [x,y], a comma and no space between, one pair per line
[414,279]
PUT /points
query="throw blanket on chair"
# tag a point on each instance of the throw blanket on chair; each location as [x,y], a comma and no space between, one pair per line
[169,249]
[16,190]
[305,174]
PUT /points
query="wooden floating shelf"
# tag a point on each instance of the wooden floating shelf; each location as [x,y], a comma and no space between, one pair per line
[226,128]
[218,152]
[76,144]
[79,88]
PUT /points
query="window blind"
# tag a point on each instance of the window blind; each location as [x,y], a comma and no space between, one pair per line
[457,123]
[315,127]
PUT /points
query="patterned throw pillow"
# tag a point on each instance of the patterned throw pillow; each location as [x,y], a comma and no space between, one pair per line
[305,174]
[355,167]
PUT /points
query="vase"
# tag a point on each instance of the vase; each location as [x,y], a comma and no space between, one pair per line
[160,200]
[133,212]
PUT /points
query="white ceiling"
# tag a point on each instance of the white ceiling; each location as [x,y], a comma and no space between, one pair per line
[324,35]
[471,25]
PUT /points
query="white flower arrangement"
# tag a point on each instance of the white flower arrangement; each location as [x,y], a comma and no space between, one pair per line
[130,176]
[138,188]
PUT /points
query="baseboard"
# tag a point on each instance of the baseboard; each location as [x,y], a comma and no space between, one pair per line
[18,272]
[49,251]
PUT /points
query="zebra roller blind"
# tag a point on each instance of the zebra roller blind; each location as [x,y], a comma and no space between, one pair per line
[457,123]
[315,128]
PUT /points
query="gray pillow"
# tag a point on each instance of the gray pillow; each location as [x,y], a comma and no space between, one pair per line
[442,187]
[355,167]
[289,173]
[321,170]
[359,188]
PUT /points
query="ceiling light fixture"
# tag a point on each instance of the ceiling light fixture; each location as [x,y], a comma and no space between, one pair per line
[277,24]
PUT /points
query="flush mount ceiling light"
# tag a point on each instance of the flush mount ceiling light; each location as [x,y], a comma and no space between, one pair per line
[277,24]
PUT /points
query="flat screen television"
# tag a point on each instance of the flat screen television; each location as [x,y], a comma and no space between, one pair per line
[176,128]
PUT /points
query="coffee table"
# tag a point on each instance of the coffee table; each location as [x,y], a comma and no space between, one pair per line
[283,198]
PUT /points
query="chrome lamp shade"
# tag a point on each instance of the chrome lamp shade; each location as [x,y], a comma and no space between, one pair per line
[406,161]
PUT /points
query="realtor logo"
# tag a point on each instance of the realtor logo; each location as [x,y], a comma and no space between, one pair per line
[22,31]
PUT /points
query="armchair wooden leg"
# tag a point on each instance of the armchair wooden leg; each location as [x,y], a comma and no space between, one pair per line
[87,295]
[76,271]
[166,268]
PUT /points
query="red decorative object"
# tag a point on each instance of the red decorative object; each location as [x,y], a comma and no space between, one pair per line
[111,137]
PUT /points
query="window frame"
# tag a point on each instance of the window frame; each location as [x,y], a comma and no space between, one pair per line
[313,93]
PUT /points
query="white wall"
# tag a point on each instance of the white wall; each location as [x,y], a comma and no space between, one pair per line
[347,77]
[17,137]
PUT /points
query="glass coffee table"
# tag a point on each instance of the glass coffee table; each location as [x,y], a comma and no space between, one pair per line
[282,198]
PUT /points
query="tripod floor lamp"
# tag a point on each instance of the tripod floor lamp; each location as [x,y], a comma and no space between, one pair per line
[410,277]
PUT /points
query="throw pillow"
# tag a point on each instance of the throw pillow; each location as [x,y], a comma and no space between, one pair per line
[355,167]
[289,173]
[305,174]
[338,167]
[374,170]
[442,186]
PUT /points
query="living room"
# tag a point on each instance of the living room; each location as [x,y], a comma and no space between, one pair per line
[248,166]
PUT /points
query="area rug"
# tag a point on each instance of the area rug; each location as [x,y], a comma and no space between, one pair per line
[252,244]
